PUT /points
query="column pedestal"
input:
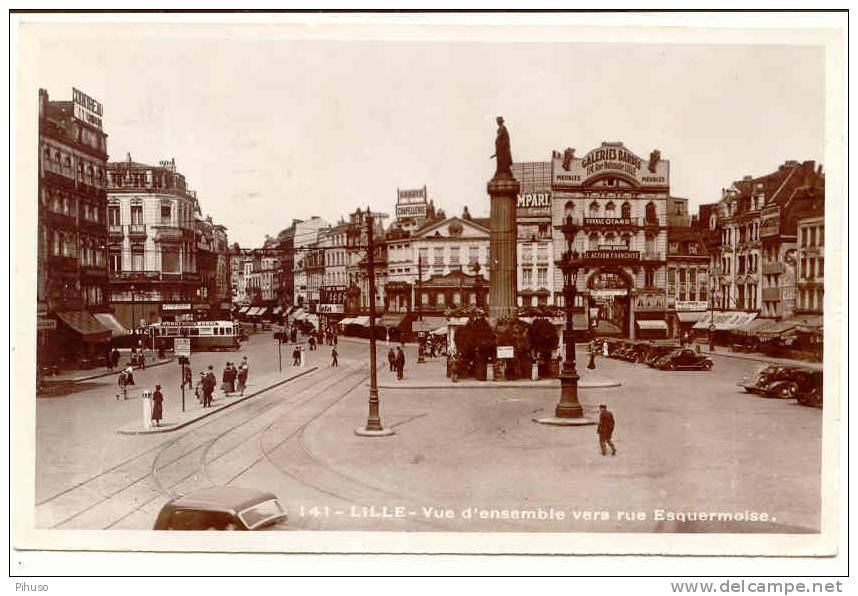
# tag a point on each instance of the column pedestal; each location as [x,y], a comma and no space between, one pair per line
[503,190]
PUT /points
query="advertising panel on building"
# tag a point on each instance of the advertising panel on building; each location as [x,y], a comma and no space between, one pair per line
[411,203]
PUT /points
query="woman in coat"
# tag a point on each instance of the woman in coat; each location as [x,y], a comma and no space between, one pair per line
[158,405]
[242,378]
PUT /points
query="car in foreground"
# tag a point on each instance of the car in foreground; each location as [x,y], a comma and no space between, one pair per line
[220,508]
[683,359]
[797,382]
[765,377]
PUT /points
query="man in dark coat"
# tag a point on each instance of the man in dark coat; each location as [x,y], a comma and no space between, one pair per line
[158,405]
[391,359]
[400,363]
[606,429]
[334,357]
[209,384]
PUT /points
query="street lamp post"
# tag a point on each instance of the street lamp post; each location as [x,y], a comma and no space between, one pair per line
[568,411]
[420,334]
[373,426]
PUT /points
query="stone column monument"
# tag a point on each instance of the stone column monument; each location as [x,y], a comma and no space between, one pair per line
[503,190]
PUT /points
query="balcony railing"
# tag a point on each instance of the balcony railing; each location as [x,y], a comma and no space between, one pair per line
[94,270]
[773,268]
[137,230]
[652,256]
[771,294]
[152,276]
[115,231]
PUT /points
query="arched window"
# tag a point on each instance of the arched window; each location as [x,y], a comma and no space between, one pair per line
[649,244]
[594,209]
[593,241]
[610,209]
[626,210]
[651,216]
[568,209]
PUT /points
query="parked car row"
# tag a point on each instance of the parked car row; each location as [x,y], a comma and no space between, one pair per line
[661,356]
[787,382]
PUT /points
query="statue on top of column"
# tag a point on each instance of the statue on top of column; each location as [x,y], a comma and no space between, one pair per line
[502,150]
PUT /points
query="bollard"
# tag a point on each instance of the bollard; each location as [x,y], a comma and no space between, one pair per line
[147,409]
[534,371]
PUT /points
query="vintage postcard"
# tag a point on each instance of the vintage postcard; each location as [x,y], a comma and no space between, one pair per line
[451,283]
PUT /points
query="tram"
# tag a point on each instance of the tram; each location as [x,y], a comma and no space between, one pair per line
[205,335]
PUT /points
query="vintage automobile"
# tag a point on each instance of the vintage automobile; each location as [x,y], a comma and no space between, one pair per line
[683,359]
[760,383]
[793,382]
[657,351]
[626,351]
[810,393]
[222,508]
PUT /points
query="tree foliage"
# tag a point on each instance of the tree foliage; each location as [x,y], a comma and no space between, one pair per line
[543,337]
[513,332]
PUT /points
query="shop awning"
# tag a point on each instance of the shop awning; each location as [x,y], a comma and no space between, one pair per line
[779,328]
[689,317]
[299,315]
[725,321]
[277,310]
[346,321]
[440,330]
[362,321]
[458,321]
[652,325]
[809,324]
[109,321]
[86,325]
[262,311]
[244,310]
[428,324]
[391,321]
[754,326]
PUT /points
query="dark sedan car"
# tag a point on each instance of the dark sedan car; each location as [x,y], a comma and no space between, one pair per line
[797,382]
[221,508]
[683,359]
[764,378]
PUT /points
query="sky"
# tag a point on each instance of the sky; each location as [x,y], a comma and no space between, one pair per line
[267,128]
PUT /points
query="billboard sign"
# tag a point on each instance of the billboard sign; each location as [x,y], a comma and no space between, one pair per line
[86,109]
[534,204]
[611,158]
[182,346]
[411,203]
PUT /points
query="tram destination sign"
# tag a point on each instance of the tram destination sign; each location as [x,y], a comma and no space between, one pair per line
[613,255]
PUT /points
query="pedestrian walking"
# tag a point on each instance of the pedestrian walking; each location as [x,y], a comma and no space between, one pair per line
[335,339]
[224,380]
[391,359]
[233,374]
[243,372]
[158,405]
[606,429]
[188,378]
[109,359]
[296,356]
[115,356]
[334,357]
[199,391]
[312,343]
[400,363]
[209,384]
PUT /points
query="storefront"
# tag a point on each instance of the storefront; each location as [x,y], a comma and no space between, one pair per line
[614,204]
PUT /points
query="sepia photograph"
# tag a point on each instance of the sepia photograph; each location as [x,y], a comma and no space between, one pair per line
[451,283]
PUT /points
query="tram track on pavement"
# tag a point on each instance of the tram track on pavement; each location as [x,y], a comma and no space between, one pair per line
[181,473]
[384,495]
[251,410]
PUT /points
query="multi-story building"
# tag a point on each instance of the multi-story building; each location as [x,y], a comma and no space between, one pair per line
[535,275]
[687,277]
[153,250]
[238,258]
[749,219]
[810,258]
[294,242]
[72,232]
[617,205]
[214,296]
[357,241]
[332,294]
[425,263]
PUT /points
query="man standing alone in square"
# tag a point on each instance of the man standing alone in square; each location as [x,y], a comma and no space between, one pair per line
[606,429]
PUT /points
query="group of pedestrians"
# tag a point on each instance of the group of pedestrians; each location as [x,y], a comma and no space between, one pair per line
[396,360]
[233,380]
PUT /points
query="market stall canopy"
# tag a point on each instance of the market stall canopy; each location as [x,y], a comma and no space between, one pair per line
[428,324]
[657,325]
[86,325]
[362,321]
[809,324]
[725,321]
[391,321]
[109,321]
[689,317]
[299,315]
